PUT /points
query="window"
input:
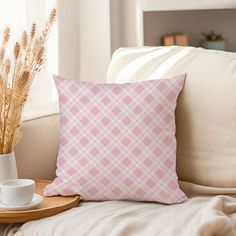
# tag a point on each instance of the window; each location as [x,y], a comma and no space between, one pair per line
[19,15]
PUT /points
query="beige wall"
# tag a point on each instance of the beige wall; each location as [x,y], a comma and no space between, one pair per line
[84,39]
[124,24]
[95,39]
[90,31]
[128,23]
[69,49]
[115,17]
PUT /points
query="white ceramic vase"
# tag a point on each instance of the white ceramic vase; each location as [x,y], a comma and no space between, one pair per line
[8,169]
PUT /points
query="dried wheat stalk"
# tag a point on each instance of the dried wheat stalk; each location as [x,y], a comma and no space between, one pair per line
[16,76]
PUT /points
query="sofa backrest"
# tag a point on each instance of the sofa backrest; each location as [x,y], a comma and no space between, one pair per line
[206,110]
[36,153]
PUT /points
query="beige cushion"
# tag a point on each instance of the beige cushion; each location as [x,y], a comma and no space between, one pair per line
[36,152]
[206,110]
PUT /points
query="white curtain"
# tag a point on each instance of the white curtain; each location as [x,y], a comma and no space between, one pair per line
[19,15]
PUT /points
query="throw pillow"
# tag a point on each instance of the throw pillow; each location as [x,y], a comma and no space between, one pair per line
[117,141]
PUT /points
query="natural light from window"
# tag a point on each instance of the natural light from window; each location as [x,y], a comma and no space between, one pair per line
[19,15]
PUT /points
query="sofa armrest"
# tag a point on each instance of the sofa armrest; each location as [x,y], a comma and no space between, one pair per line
[36,152]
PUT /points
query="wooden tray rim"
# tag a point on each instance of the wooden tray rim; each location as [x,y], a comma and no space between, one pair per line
[28,215]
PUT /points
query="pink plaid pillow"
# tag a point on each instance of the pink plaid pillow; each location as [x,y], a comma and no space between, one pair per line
[117,141]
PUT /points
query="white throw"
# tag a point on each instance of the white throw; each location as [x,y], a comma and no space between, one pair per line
[200,216]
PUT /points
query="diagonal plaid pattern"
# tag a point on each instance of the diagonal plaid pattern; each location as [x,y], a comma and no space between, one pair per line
[118,141]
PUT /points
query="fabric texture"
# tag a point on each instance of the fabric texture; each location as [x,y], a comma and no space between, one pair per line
[118,141]
[206,111]
[200,216]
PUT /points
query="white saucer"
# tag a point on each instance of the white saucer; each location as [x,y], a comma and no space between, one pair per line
[37,199]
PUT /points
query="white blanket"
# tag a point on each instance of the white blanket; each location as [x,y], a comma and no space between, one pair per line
[200,216]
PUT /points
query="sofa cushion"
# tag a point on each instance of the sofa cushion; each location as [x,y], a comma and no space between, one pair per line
[36,151]
[118,141]
[206,111]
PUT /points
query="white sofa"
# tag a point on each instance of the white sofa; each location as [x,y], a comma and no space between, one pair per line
[206,155]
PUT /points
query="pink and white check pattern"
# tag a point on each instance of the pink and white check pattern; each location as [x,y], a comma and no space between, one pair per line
[118,141]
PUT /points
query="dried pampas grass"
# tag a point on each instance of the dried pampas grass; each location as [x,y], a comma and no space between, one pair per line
[16,76]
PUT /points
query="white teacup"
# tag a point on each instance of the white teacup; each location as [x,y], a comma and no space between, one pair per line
[17,192]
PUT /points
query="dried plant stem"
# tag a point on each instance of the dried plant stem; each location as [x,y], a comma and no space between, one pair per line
[4,117]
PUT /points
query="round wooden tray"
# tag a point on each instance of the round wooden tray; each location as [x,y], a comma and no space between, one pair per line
[48,207]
